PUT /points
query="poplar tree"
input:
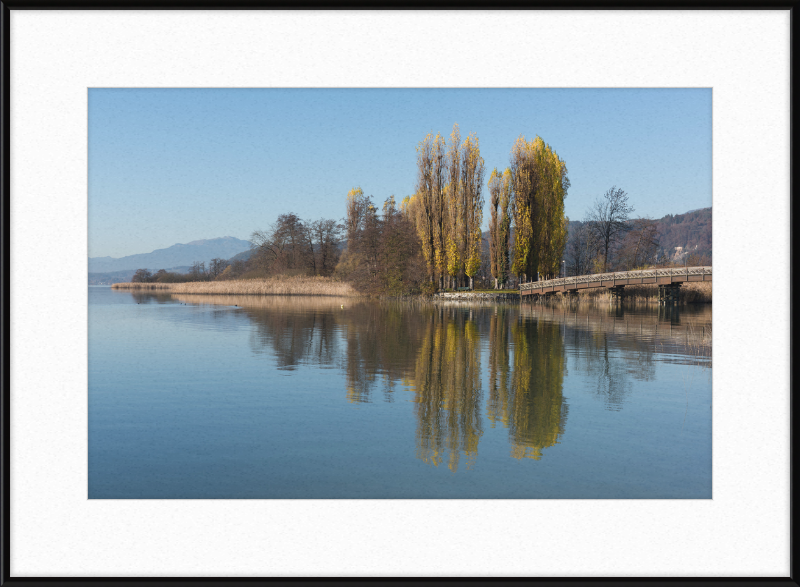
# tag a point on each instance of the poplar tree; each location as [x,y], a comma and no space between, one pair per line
[431,204]
[495,187]
[356,210]
[448,205]
[423,203]
[408,208]
[472,173]
[438,185]
[539,183]
[456,243]
[500,225]
[504,229]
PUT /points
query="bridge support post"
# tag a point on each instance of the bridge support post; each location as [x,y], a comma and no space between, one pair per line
[668,294]
[618,293]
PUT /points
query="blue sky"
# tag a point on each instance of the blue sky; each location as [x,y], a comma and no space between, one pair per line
[176,165]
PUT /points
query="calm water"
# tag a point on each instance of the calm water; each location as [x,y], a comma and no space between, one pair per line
[273,397]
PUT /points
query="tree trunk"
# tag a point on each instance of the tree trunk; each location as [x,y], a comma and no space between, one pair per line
[470,283]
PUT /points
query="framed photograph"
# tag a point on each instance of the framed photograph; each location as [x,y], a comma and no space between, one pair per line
[369,302]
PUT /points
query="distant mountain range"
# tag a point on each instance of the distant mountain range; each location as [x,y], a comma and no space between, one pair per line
[178,255]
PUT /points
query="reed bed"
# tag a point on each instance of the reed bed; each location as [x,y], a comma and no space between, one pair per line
[696,293]
[309,286]
[282,303]
[150,286]
[287,286]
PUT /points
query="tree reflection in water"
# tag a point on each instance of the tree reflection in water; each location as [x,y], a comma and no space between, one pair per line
[447,387]
[435,352]
[527,399]
[536,409]
[150,298]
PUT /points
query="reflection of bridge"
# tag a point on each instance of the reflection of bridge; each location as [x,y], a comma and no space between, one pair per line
[668,281]
[668,330]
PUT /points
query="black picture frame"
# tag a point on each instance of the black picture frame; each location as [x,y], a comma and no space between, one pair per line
[7,7]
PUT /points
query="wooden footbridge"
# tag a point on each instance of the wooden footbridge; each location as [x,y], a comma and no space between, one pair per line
[669,282]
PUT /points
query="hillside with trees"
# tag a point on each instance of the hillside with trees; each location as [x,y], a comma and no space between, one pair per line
[691,231]
[681,239]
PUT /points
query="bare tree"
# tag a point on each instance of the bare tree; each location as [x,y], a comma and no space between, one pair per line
[266,251]
[142,276]
[579,250]
[608,220]
[325,237]
[198,271]
[216,267]
[285,247]
[640,245]
[291,231]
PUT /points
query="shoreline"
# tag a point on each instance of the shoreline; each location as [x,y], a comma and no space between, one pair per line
[692,293]
[308,286]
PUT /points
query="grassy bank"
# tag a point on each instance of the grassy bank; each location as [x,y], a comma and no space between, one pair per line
[313,286]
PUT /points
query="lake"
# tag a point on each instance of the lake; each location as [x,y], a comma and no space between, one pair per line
[198,396]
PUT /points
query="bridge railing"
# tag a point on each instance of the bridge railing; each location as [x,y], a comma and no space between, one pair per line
[617,275]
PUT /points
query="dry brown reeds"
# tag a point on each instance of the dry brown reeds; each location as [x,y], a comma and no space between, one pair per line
[283,303]
[133,285]
[696,293]
[308,286]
